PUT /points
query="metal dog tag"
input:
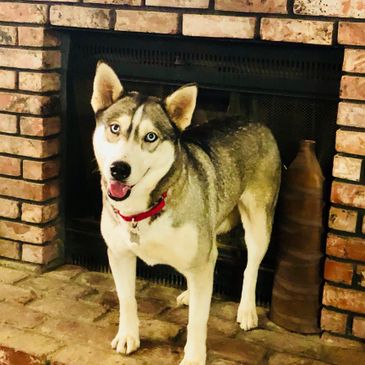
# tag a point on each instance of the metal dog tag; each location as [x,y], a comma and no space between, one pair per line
[134,232]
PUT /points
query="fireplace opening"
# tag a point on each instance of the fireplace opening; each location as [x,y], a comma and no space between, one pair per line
[293,89]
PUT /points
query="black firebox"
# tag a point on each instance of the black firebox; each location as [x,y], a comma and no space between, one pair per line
[291,88]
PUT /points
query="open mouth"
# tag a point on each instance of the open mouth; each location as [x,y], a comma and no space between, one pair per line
[119,191]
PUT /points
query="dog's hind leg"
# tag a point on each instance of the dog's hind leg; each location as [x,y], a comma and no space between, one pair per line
[231,221]
[256,216]
[183,298]
[200,284]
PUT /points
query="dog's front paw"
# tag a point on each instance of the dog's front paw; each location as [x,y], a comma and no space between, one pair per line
[247,316]
[125,343]
[183,298]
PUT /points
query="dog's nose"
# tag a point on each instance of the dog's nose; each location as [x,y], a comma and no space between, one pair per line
[120,170]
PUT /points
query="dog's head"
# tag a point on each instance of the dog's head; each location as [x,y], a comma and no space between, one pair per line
[135,136]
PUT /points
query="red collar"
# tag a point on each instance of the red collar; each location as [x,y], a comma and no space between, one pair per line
[149,213]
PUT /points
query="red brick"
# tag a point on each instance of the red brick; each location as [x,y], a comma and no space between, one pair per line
[28,147]
[283,358]
[11,276]
[40,254]
[351,114]
[350,142]
[33,59]
[342,219]
[358,327]
[339,272]
[28,319]
[354,60]
[36,37]
[10,166]
[352,87]
[333,321]
[66,273]
[22,103]
[236,350]
[9,249]
[346,247]
[34,81]
[348,168]
[351,33]
[9,208]
[348,194]
[75,331]
[39,213]
[360,271]
[23,13]
[12,293]
[296,30]
[338,8]
[28,190]
[147,21]
[67,308]
[41,127]
[201,4]
[7,79]
[218,26]
[40,170]
[27,233]
[34,347]
[116,2]
[332,341]
[347,299]
[81,17]
[8,35]
[8,123]
[253,6]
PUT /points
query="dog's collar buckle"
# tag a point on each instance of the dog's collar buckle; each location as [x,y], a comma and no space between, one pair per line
[134,219]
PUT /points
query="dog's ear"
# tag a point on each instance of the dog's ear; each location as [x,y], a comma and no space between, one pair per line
[180,105]
[107,87]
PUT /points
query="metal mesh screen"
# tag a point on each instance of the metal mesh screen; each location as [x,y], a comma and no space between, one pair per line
[292,89]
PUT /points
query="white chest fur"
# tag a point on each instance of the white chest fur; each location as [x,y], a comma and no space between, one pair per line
[159,242]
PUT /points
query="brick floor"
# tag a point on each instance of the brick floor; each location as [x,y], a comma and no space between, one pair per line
[69,316]
[19,316]
[15,294]
[10,276]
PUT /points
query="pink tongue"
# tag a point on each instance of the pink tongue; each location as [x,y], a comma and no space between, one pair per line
[118,190]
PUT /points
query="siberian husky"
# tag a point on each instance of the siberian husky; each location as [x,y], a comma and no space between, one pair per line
[168,190]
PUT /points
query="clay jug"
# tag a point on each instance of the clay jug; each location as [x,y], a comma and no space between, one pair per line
[296,292]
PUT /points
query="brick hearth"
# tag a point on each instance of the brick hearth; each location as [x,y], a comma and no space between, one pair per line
[30,125]
[70,315]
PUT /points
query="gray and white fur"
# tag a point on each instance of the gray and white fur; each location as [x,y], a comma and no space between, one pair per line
[215,175]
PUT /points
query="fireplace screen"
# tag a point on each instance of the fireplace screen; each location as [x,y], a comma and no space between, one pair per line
[293,89]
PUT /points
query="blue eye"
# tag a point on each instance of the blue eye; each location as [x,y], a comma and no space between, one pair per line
[150,137]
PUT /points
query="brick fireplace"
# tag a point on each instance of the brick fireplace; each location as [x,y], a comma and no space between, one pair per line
[31,127]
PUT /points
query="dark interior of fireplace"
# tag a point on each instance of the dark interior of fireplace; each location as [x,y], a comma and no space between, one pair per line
[293,89]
